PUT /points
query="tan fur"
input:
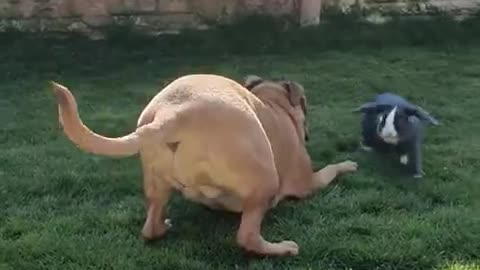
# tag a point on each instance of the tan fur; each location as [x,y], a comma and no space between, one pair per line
[219,144]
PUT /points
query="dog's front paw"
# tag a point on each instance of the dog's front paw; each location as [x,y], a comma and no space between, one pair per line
[154,231]
[347,166]
[265,248]
[284,248]
[291,248]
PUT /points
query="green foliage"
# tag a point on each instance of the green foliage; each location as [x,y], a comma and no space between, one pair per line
[260,35]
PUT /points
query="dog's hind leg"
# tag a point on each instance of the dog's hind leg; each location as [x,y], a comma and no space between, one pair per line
[254,177]
[260,186]
[325,176]
[249,233]
[157,193]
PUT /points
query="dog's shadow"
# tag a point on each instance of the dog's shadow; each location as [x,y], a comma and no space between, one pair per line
[387,166]
[203,232]
[196,223]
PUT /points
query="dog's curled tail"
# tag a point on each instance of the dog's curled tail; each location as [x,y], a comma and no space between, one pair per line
[85,138]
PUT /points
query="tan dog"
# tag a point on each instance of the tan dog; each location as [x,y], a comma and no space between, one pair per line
[228,146]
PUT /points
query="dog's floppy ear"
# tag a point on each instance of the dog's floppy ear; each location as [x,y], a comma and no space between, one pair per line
[371,107]
[296,94]
[251,81]
[422,114]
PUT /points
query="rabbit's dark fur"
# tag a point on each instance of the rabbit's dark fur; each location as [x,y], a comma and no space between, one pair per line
[392,124]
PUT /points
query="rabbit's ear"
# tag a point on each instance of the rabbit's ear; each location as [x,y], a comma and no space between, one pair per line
[371,107]
[422,114]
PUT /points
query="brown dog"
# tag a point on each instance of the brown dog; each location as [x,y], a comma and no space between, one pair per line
[228,146]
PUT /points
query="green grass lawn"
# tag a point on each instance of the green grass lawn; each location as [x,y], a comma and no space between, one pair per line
[63,209]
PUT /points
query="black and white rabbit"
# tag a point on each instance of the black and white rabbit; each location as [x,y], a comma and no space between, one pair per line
[391,123]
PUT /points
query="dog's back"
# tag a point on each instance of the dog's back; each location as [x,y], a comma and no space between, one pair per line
[198,89]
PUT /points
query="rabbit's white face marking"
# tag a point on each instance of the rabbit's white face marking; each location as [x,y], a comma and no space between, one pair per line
[387,129]
[404,159]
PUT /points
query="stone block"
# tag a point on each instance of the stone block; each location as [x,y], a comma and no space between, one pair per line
[8,10]
[130,5]
[89,7]
[282,7]
[146,5]
[173,6]
[271,7]
[115,6]
[94,13]
[310,12]
[60,8]
[216,10]
[26,8]
[34,8]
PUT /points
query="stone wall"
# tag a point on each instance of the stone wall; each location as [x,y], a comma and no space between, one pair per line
[91,16]
[457,7]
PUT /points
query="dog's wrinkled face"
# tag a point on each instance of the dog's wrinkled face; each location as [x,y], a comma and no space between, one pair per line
[294,93]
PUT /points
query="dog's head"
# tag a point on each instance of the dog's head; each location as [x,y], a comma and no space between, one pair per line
[395,123]
[290,91]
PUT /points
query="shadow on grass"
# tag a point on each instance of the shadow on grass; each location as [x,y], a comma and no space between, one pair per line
[388,166]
